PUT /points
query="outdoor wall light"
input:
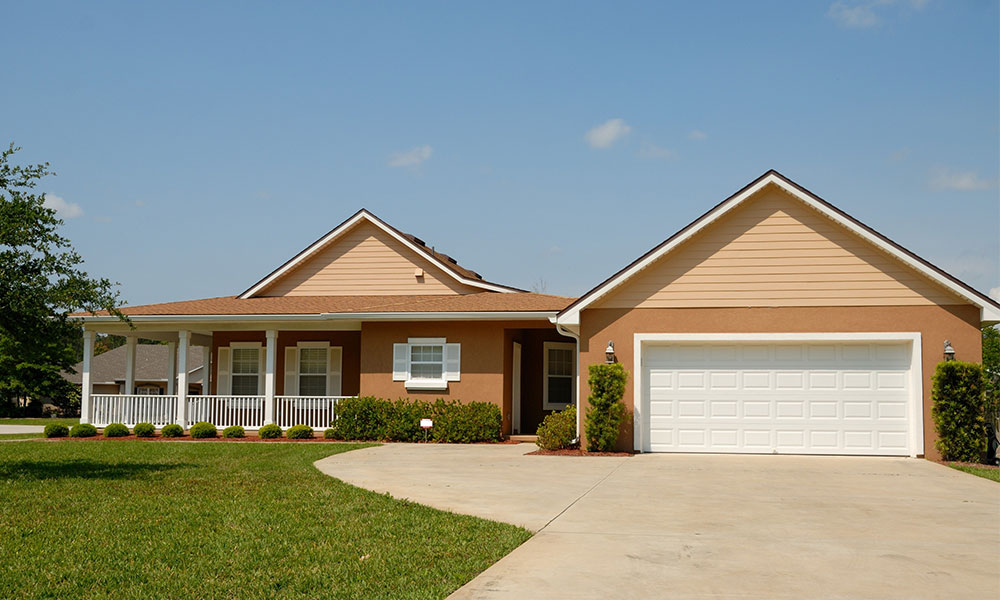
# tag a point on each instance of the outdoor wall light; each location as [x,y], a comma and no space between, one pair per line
[609,353]
[949,352]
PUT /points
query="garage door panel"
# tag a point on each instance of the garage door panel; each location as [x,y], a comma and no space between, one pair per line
[828,398]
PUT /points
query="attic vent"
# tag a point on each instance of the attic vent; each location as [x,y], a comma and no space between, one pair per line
[417,240]
[452,260]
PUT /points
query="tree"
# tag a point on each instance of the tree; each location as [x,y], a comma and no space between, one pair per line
[991,383]
[605,412]
[41,284]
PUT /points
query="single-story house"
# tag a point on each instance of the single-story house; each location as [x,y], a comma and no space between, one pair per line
[774,323]
[155,373]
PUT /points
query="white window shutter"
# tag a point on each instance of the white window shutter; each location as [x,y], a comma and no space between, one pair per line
[452,362]
[223,382]
[260,370]
[400,362]
[291,371]
[333,374]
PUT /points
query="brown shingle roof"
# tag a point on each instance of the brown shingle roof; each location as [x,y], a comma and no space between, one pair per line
[151,364]
[294,305]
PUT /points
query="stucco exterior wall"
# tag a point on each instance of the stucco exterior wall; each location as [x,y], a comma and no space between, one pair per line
[958,323]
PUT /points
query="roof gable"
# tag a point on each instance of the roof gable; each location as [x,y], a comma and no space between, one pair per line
[364,255]
[896,275]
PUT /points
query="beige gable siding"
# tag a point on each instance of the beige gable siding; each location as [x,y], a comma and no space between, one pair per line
[776,251]
[365,261]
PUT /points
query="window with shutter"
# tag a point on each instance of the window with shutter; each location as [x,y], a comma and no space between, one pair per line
[313,363]
[245,371]
[426,363]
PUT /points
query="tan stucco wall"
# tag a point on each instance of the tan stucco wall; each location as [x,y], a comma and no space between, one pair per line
[960,324]
[774,250]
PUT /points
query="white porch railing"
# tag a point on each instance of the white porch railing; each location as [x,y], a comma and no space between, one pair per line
[314,411]
[223,411]
[132,409]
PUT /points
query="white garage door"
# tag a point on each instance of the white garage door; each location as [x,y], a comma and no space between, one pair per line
[794,398]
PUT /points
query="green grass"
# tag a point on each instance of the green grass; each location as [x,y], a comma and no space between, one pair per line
[20,436]
[984,472]
[41,422]
[197,520]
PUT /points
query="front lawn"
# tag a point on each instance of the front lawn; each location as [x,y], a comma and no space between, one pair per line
[40,422]
[20,436]
[185,520]
[986,472]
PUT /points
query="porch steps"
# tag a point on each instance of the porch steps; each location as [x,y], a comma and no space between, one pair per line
[523,439]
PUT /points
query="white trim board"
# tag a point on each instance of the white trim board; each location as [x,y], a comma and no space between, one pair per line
[364,215]
[988,312]
[916,412]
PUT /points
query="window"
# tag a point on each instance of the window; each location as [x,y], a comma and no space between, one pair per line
[148,390]
[245,372]
[426,363]
[559,366]
[312,371]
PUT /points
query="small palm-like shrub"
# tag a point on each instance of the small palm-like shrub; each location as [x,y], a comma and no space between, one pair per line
[55,430]
[203,430]
[234,431]
[115,430]
[172,430]
[299,432]
[144,430]
[557,430]
[83,430]
[269,432]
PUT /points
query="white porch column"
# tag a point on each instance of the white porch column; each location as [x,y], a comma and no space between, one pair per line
[269,362]
[183,339]
[130,341]
[171,368]
[85,387]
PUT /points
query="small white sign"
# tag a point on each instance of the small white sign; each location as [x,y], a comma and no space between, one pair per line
[426,423]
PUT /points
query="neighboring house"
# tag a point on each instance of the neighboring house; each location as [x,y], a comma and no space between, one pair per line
[775,323]
[151,371]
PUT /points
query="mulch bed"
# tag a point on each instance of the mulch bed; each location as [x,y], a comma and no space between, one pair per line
[577,452]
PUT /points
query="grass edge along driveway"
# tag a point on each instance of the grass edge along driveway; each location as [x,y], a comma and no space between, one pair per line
[137,520]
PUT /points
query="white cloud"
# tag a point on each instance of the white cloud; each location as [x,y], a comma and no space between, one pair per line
[864,15]
[412,158]
[650,150]
[64,210]
[962,181]
[697,135]
[995,293]
[607,133]
[140,203]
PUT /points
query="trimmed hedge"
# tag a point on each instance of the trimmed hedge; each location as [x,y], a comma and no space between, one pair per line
[234,431]
[115,430]
[377,419]
[957,410]
[56,430]
[269,432]
[144,430]
[83,430]
[605,412]
[203,430]
[299,432]
[558,430]
[172,430]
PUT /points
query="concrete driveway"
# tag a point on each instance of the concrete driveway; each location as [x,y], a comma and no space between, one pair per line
[21,429]
[706,526]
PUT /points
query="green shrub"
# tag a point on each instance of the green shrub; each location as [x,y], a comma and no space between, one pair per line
[144,430]
[115,430]
[330,434]
[299,432]
[376,419]
[83,430]
[203,430]
[606,411]
[172,430]
[558,430]
[957,410]
[234,431]
[269,432]
[55,430]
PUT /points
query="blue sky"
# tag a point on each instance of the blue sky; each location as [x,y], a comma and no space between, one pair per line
[547,144]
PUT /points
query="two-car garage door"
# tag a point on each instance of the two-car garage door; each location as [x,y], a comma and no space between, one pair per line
[786,397]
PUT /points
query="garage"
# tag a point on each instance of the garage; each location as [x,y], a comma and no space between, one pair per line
[794,396]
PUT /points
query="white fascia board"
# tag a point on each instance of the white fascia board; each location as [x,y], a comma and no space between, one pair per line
[987,312]
[386,316]
[364,215]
